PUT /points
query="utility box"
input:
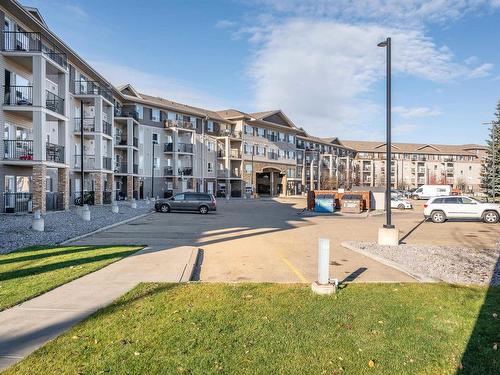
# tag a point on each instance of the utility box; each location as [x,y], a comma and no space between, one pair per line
[324,203]
[351,204]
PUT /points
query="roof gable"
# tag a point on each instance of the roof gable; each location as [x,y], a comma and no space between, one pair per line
[129,90]
[275,117]
[427,147]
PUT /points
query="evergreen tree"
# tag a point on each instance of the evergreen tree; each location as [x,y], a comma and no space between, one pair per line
[491,163]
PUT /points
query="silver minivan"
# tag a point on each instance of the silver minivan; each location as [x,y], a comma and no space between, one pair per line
[188,201]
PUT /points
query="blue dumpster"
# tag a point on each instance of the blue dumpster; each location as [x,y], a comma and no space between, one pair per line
[324,204]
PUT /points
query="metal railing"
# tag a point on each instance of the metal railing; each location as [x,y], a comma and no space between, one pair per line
[106,163]
[88,162]
[88,124]
[272,155]
[18,95]
[88,197]
[121,168]
[17,202]
[179,124]
[186,171]
[54,201]
[121,139]
[83,87]
[107,128]
[222,173]
[181,147]
[54,103]
[229,133]
[135,168]
[18,149]
[135,141]
[236,154]
[126,112]
[168,171]
[54,152]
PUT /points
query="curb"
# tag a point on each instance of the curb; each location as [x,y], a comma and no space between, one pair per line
[189,268]
[104,228]
[417,276]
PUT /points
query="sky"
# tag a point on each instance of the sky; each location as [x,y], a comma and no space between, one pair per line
[317,60]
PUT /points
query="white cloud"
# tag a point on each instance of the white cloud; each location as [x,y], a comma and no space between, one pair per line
[415,112]
[224,24]
[399,129]
[320,72]
[158,85]
[481,71]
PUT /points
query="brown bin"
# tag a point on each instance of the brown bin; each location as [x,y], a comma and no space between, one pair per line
[351,204]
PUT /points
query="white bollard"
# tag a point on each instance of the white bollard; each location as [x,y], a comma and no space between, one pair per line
[147,200]
[114,207]
[323,285]
[86,213]
[38,223]
[133,203]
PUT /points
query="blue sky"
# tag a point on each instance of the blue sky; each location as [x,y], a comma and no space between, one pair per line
[316,60]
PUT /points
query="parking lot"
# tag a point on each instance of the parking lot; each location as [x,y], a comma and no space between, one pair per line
[266,240]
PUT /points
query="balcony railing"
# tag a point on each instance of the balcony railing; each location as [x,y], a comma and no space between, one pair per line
[18,95]
[88,124]
[135,141]
[186,171]
[88,162]
[54,153]
[17,202]
[235,173]
[235,154]
[106,163]
[135,168]
[168,171]
[23,41]
[54,103]
[229,133]
[121,139]
[18,150]
[272,155]
[126,112]
[83,87]
[54,201]
[222,173]
[107,128]
[121,168]
[179,124]
[181,147]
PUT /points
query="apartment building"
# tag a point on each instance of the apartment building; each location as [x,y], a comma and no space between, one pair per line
[415,164]
[45,85]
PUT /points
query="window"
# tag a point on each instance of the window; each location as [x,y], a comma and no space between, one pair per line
[291,139]
[451,201]
[210,126]
[178,197]
[155,138]
[248,168]
[140,111]
[281,137]
[247,149]
[467,201]
[248,129]
[155,114]
[156,163]
[210,146]
[209,167]
[261,132]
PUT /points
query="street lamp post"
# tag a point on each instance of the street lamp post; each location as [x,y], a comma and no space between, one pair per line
[81,150]
[153,168]
[388,234]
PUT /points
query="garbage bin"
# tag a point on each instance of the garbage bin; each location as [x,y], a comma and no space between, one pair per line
[324,203]
[352,204]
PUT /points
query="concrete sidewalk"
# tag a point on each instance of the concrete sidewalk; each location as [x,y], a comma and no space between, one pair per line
[27,326]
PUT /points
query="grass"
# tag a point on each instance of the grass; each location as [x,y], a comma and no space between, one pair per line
[29,272]
[281,329]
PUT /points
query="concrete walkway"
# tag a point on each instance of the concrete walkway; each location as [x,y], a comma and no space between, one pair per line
[27,326]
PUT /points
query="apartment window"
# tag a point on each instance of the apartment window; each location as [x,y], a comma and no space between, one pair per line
[156,163]
[155,115]
[140,111]
[155,138]
[209,167]
[210,126]
[248,129]
[291,138]
[210,146]
[261,132]
[248,168]
[281,137]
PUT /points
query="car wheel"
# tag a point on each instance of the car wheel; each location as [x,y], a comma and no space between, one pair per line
[165,208]
[401,206]
[438,217]
[203,210]
[490,217]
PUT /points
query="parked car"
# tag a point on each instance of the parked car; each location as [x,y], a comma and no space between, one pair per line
[201,202]
[439,209]
[400,203]
[429,191]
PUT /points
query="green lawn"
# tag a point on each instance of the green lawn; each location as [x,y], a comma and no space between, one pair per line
[282,329]
[27,273]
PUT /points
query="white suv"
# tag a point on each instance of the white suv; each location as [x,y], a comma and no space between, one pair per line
[439,209]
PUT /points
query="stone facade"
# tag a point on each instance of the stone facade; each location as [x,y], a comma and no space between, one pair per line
[98,178]
[39,187]
[130,187]
[111,185]
[63,185]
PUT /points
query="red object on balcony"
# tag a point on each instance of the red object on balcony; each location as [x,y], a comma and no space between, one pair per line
[26,157]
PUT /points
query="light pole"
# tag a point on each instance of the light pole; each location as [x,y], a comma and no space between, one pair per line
[81,149]
[494,154]
[153,143]
[388,219]
[388,234]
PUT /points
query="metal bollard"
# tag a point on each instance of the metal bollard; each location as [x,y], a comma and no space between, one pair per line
[323,285]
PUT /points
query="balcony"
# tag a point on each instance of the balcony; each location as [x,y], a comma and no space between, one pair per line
[181,147]
[54,103]
[106,163]
[107,128]
[54,153]
[121,168]
[88,125]
[179,124]
[88,162]
[23,41]
[235,173]
[126,112]
[235,154]
[18,95]
[222,173]
[135,168]
[17,202]
[18,150]
[185,171]
[229,133]
[168,171]
[135,142]
[92,88]
[121,139]
[272,155]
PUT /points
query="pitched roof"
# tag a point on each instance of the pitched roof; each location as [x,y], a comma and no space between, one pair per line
[262,115]
[415,148]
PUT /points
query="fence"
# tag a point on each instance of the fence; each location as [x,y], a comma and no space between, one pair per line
[54,201]
[17,202]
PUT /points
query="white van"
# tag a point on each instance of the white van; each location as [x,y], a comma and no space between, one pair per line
[430,191]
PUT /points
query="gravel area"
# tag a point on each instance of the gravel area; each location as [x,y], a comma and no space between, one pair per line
[450,264]
[16,230]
